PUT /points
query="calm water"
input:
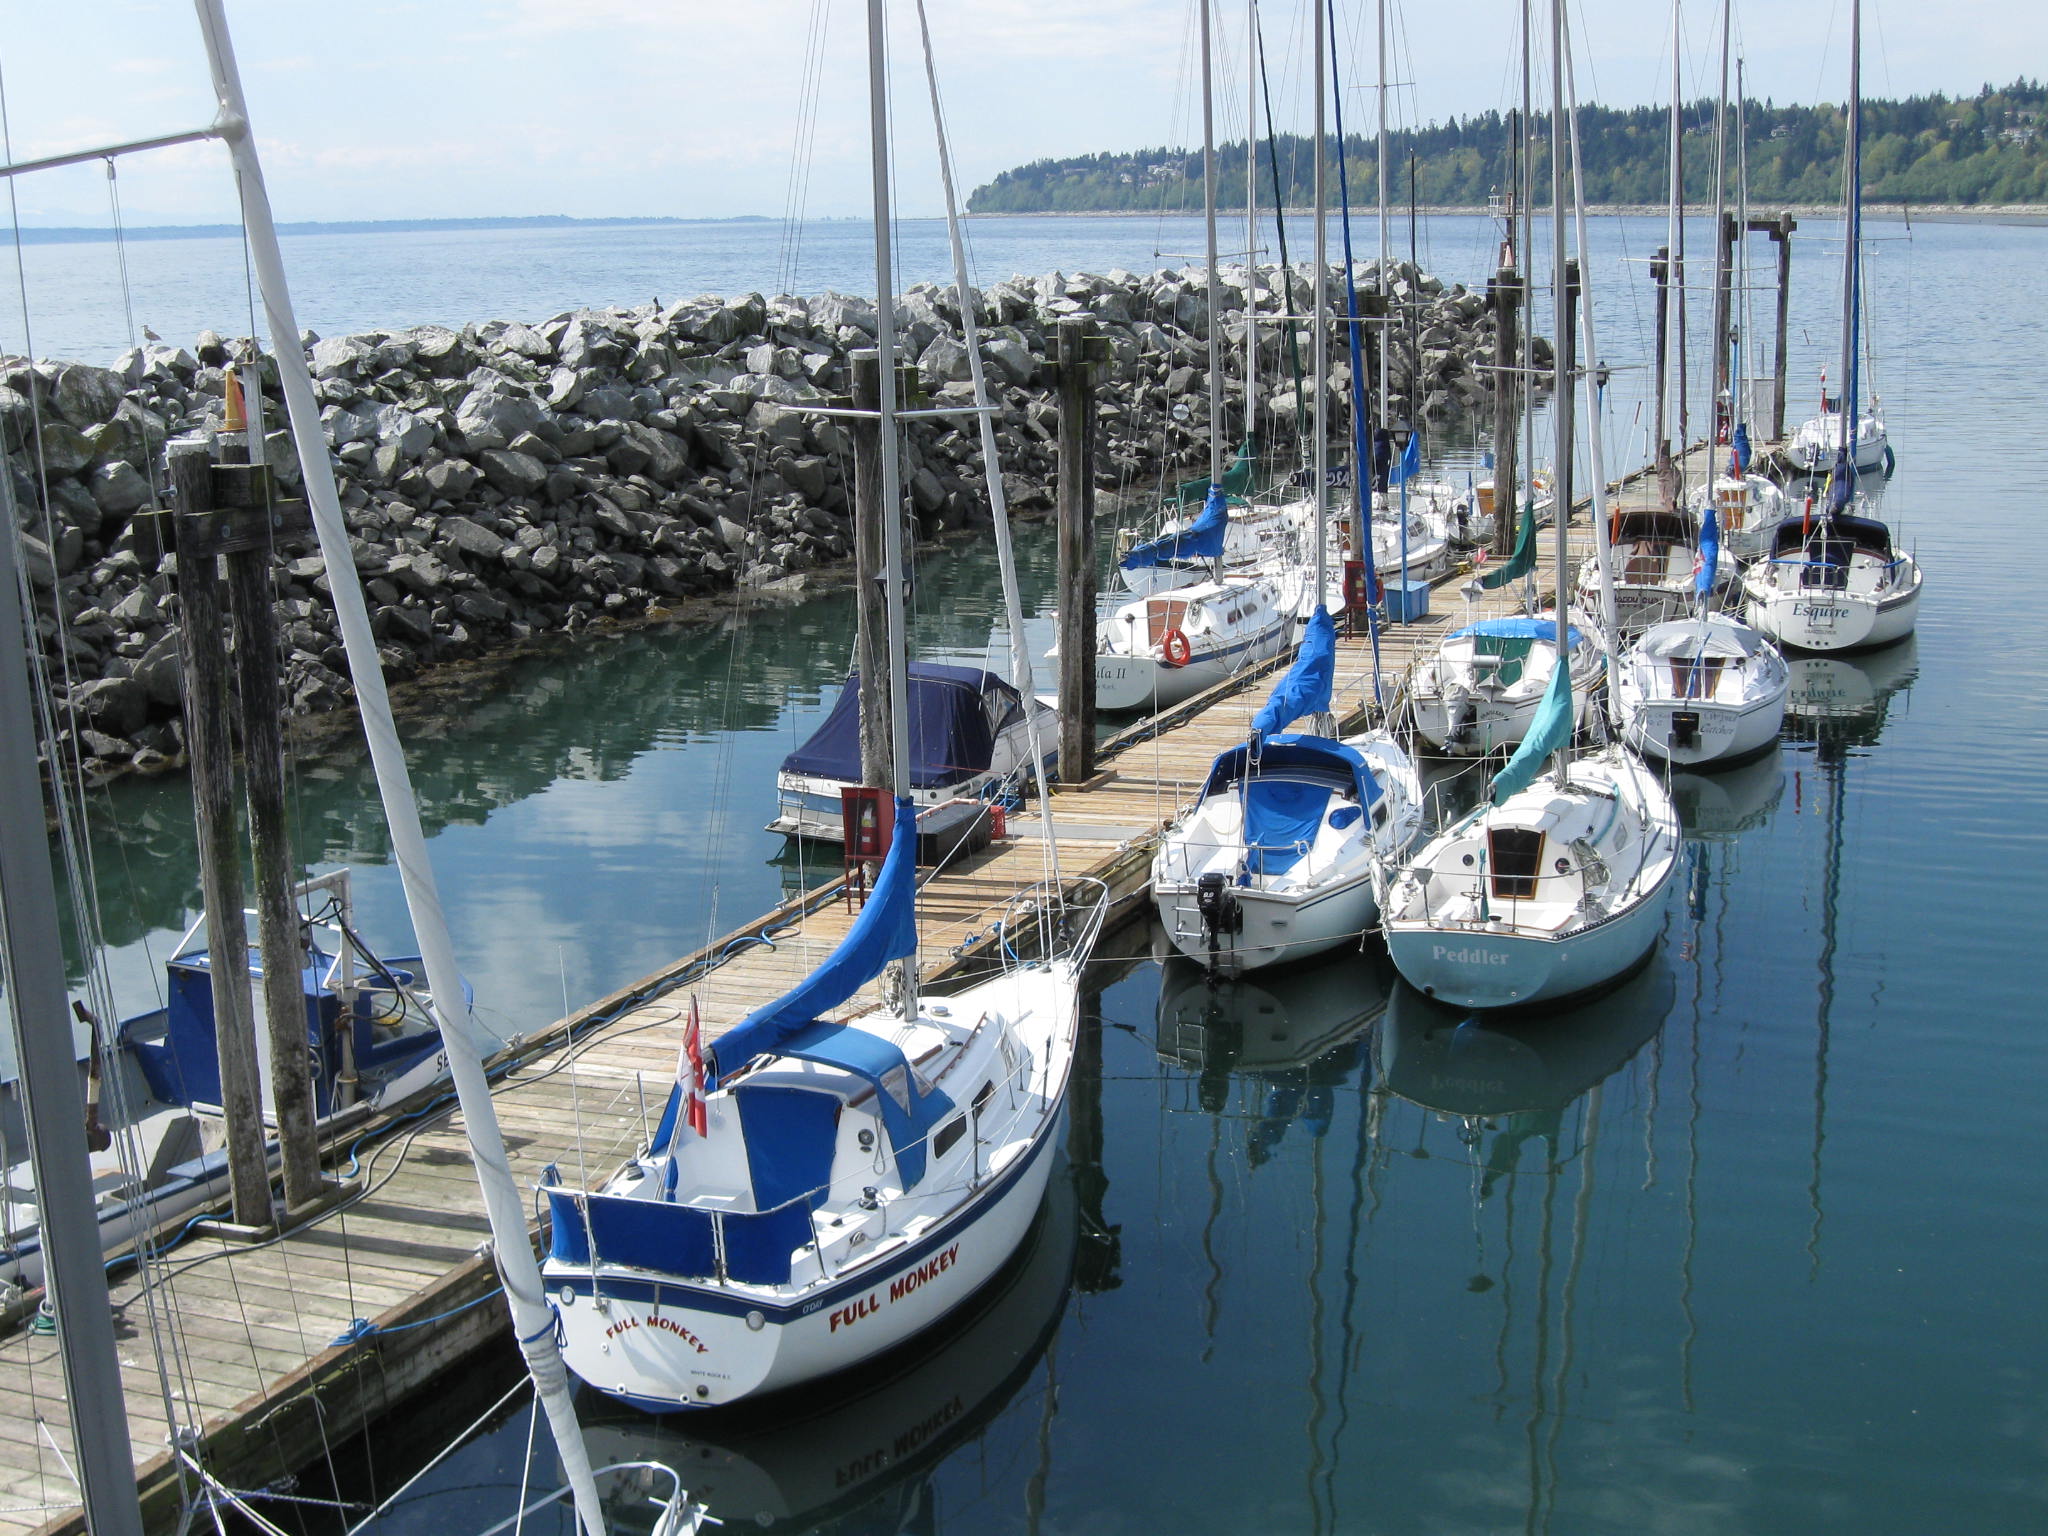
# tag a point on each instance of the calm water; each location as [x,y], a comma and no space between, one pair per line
[1753,1244]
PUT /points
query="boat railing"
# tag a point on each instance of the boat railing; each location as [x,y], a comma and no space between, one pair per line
[675,1512]
[1054,920]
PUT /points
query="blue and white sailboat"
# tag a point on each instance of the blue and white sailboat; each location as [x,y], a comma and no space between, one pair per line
[1276,860]
[1837,580]
[824,1186]
[1554,886]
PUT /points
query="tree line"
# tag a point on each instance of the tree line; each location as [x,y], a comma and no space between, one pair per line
[1990,148]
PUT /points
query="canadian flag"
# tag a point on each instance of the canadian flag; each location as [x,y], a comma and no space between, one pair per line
[690,1076]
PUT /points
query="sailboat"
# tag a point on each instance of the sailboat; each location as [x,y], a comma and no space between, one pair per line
[822,1187]
[1836,580]
[1486,682]
[1555,885]
[1701,691]
[1172,642]
[1816,444]
[1276,859]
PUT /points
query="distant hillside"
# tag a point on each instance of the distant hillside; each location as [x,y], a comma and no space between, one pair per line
[1987,148]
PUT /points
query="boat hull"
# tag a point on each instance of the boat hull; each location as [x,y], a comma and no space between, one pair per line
[1721,733]
[648,1334]
[1834,621]
[1124,684]
[1274,926]
[1477,967]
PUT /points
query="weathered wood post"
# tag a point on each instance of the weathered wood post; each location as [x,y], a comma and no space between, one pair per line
[245,553]
[1504,293]
[1780,230]
[871,630]
[1724,382]
[1667,480]
[202,639]
[1079,350]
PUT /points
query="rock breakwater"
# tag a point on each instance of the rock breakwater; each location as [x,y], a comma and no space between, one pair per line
[507,480]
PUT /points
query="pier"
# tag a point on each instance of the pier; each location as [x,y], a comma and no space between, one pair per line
[281,1350]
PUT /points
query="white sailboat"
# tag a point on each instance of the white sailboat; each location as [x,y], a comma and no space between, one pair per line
[1658,558]
[1703,691]
[1171,643]
[1276,859]
[1481,690]
[824,1188]
[1835,580]
[1554,886]
[1748,508]
[1816,444]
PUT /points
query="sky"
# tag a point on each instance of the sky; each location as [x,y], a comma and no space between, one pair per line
[695,109]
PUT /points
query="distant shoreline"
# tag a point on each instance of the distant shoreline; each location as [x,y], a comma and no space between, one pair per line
[1937,213]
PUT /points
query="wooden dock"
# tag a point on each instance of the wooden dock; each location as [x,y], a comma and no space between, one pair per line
[263,1353]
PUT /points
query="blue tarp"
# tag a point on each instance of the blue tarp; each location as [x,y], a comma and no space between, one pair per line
[1202,541]
[1550,730]
[908,1112]
[1710,552]
[1520,629]
[1286,789]
[950,735]
[885,930]
[1281,818]
[1307,687]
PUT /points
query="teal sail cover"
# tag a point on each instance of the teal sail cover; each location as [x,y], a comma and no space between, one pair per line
[1201,541]
[1237,479]
[1309,683]
[885,930]
[1521,560]
[1549,731]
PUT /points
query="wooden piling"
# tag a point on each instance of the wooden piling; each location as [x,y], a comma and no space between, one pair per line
[1660,274]
[1780,230]
[1076,379]
[1504,293]
[202,639]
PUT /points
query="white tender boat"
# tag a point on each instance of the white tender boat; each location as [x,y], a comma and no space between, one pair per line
[1702,692]
[1483,686]
[1833,583]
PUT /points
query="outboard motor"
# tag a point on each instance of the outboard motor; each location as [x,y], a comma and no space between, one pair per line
[1685,728]
[1219,911]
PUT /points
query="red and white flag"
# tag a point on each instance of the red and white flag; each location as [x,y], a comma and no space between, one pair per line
[690,1076]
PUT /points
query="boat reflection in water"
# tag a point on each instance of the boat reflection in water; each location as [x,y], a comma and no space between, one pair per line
[1287,1034]
[1719,807]
[857,1450]
[1852,691]
[1515,1083]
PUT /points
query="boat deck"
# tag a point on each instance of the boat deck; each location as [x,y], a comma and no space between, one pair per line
[264,1349]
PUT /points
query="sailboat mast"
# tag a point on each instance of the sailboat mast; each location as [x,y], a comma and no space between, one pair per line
[1215,288]
[1251,220]
[1852,240]
[47,1085]
[1386,322]
[463,1042]
[1677,269]
[1561,512]
[1720,374]
[893,567]
[1320,328]
[991,460]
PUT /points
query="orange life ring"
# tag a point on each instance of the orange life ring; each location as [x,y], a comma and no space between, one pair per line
[1176,649]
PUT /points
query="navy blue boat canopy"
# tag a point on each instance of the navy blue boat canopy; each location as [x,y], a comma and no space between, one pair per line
[955,716]
[1833,538]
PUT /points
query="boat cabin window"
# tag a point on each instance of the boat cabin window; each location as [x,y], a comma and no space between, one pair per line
[1696,677]
[947,1136]
[1514,857]
[982,1095]
[1002,710]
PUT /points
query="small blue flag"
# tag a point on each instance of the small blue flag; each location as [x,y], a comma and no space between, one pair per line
[1411,461]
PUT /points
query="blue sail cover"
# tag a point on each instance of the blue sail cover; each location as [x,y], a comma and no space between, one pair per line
[1549,731]
[1710,552]
[885,930]
[1202,541]
[1309,683]
[1743,452]
[950,738]
[1409,465]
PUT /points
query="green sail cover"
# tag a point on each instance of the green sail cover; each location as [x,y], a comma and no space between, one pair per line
[1523,559]
[1236,481]
[1549,731]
